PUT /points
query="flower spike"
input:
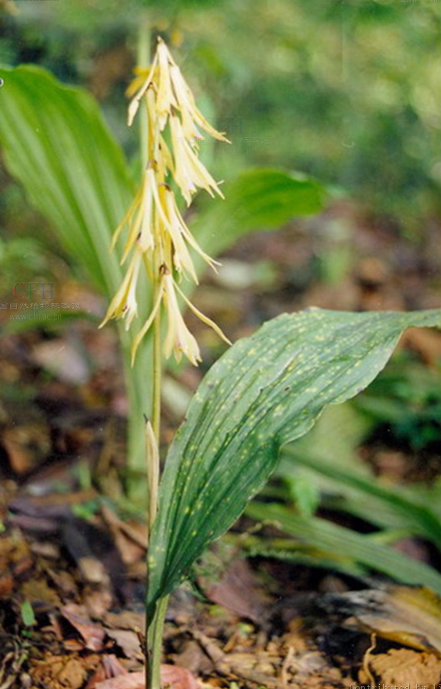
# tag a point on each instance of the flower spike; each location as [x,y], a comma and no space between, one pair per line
[157,235]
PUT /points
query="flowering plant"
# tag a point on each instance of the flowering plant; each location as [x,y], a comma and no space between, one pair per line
[266,390]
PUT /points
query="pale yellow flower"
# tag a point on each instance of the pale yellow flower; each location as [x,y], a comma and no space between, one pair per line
[178,339]
[158,236]
[172,88]
[149,322]
[165,97]
[139,81]
[124,304]
[202,317]
[134,103]
[179,230]
[140,218]
[188,108]
[189,172]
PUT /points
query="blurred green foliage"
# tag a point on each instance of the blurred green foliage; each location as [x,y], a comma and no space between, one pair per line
[346,91]
[22,258]
[405,403]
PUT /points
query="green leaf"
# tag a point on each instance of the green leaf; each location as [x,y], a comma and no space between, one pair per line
[304,493]
[27,613]
[336,437]
[383,505]
[267,390]
[56,143]
[332,538]
[296,551]
[257,199]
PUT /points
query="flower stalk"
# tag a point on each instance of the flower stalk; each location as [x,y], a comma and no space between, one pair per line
[158,243]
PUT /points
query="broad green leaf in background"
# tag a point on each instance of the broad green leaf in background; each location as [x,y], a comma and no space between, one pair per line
[303,492]
[337,436]
[391,507]
[56,143]
[299,550]
[342,543]
[267,390]
[327,458]
[260,198]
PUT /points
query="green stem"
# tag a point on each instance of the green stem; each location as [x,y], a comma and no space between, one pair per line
[140,403]
[157,376]
[153,631]
[154,627]
[154,645]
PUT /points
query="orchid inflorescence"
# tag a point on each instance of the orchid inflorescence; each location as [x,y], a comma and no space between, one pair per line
[158,238]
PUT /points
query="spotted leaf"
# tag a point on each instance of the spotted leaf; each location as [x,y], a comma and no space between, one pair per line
[268,389]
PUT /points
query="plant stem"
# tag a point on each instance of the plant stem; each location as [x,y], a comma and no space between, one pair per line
[139,398]
[154,627]
[154,645]
[153,631]
[157,377]
[153,430]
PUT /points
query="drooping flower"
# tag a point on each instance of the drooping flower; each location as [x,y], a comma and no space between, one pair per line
[178,339]
[189,173]
[158,236]
[124,304]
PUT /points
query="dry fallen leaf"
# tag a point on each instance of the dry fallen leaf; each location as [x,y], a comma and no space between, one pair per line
[177,677]
[406,668]
[132,680]
[128,641]
[408,615]
[38,591]
[56,671]
[26,446]
[73,674]
[92,634]
[411,616]
[63,359]
[238,591]
[113,667]
[130,537]
[172,677]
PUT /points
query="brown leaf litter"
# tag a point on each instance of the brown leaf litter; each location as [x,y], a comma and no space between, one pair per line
[88,636]
[403,668]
